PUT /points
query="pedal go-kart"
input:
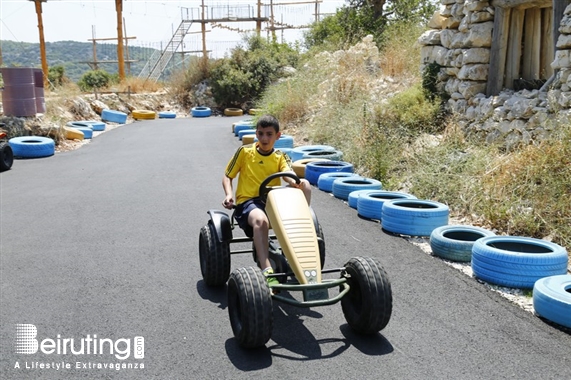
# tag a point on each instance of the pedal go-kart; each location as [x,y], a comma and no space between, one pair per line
[6,154]
[362,287]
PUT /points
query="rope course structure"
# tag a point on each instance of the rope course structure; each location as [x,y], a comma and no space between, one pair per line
[218,16]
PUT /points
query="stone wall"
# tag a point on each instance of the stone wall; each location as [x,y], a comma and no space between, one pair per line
[459,40]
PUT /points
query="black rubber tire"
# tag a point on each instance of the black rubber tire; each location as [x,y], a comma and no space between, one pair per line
[6,156]
[214,257]
[321,243]
[250,307]
[368,305]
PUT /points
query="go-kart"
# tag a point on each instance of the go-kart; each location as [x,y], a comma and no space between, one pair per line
[6,154]
[297,254]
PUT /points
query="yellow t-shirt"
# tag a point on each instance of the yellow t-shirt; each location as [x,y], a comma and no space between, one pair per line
[255,167]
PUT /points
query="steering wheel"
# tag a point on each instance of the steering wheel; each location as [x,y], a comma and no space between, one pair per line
[264,189]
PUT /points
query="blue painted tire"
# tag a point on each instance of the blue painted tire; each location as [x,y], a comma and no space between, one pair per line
[325,181]
[413,217]
[244,127]
[517,262]
[342,187]
[298,152]
[247,131]
[200,111]
[455,242]
[314,169]
[353,197]
[87,132]
[285,141]
[96,126]
[32,146]
[552,299]
[244,121]
[167,115]
[114,116]
[370,204]
[331,154]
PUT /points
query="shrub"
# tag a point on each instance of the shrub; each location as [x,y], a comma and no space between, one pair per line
[94,79]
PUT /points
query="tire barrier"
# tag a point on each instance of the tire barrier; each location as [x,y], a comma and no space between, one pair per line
[95,126]
[32,146]
[87,132]
[200,111]
[517,262]
[233,112]
[413,217]
[167,115]
[298,166]
[144,115]
[244,132]
[245,121]
[331,154]
[314,169]
[455,242]
[72,133]
[114,116]
[325,181]
[552,299]
[255,111]
[353,197]
[243,127]
[342,187]
[298,152]
[248,139]
[370,204]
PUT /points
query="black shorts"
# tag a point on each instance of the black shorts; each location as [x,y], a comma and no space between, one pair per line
[243,210]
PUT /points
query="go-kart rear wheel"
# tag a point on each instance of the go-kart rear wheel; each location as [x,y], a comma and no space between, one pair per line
[250,307]
[368,305]
[214,257]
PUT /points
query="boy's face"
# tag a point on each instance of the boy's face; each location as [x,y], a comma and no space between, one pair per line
[267,137]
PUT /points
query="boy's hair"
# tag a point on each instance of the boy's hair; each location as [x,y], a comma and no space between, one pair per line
[268,121]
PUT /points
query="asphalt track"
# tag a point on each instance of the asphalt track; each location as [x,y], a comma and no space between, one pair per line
[104,241]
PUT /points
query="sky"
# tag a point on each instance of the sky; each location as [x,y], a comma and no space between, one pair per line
[151,22]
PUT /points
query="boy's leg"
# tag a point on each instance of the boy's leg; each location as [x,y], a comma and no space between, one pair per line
[258,219]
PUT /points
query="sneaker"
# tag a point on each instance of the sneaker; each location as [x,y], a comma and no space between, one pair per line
[271,280]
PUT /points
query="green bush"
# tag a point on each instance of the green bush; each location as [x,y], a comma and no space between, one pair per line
[244,75]
[95,79]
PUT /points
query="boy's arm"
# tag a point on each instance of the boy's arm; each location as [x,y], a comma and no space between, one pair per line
[228,201]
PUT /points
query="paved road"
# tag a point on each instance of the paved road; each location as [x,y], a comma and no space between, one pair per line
[103,241]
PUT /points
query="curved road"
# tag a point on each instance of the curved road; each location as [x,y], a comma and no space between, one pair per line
[100,245]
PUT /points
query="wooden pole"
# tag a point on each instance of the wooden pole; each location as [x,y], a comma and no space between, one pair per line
[38,4]
[120,56]
[258,21]
[204,51]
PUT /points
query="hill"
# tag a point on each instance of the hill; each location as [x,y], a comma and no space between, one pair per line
[73,56]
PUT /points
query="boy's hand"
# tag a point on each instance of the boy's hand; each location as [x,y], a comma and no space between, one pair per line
[228,203]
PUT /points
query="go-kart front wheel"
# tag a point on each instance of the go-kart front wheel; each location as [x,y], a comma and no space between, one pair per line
[214,257]
[250,307]
[368,305]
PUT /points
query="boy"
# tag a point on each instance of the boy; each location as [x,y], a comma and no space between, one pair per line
[255,163]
